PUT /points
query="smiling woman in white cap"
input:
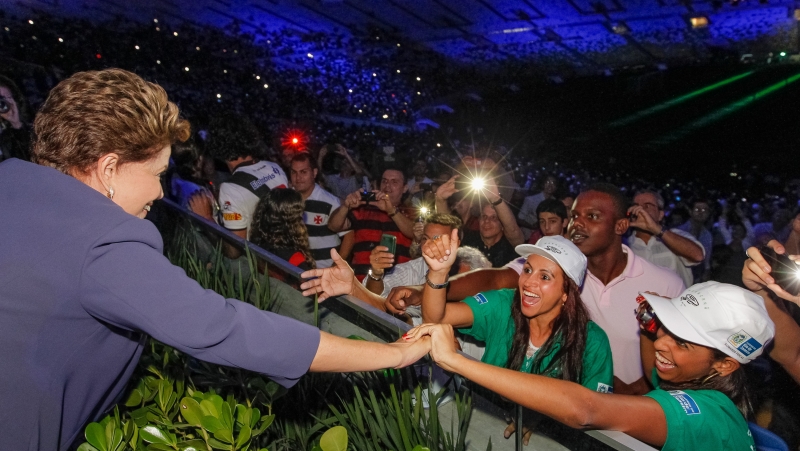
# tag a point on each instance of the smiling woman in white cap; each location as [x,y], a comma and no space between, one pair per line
[541,327]
[704,336]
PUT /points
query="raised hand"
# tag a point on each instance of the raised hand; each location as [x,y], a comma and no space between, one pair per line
[337,280]
[440,251]
[640,219]
[447,189]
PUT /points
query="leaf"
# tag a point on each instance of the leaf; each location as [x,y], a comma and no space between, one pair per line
[191,411]
[224,435]
[158,447]
[421,448]
[153,434]
[96,436]
[244,436]
[227,417]
[216,444]
[135,398]
[87,447]
[211,424]
[334,439]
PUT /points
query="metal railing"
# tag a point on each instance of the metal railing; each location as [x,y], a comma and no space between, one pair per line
[375,321]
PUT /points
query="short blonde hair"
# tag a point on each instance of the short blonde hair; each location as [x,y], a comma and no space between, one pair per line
[94,113]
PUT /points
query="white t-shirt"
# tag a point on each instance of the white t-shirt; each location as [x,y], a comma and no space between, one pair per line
[655,251]
[318,208]
[238,204]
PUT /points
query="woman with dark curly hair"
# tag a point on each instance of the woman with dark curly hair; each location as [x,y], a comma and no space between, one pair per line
[278,227]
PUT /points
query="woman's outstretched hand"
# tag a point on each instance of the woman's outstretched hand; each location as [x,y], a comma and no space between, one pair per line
[334,281]
[443,344]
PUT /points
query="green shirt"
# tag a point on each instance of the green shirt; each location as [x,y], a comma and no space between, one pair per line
[492,324]
[701,419]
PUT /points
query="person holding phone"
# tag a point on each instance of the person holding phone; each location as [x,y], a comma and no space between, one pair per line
[370,219]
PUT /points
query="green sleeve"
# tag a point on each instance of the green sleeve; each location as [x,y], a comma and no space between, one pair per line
[702,419]
[598,366]
[489,309]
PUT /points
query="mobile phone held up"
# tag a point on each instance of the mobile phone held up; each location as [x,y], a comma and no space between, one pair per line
[389,241]
[785,271]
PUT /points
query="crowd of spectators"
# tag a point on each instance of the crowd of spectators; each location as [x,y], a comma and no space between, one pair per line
[286,81]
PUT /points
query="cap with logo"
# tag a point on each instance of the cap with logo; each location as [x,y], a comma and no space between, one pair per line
[560,250]
[717,315]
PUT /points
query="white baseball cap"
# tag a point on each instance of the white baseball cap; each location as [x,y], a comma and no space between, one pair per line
[559,250]
[717,315]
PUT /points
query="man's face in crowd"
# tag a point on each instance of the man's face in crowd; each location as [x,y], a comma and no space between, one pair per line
[490,223]
[700,212]
[393,185]
[650,204]
[420,169]
[550,186]
[551,224]
[302,176]
[595,227]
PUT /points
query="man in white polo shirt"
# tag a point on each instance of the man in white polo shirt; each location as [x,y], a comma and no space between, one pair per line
[673,249]
[615,278]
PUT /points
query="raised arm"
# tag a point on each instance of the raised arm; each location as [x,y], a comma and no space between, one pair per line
[511,230]
[338,220]
[680,244]
[440,253]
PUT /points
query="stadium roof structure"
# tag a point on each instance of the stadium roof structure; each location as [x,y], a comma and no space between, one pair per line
[589,34]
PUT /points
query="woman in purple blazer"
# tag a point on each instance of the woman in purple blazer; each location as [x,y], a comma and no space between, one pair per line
[83,280]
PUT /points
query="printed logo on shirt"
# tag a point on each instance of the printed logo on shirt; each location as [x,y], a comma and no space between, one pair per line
[553,249]
[226,205]
[232,216]
[314,218]
[744,343]
[687,403]
[256,184]
[604,388]
[481,298]
[690,299]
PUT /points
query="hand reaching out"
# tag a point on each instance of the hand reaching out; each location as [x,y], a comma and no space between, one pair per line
[337,280]
[443,343]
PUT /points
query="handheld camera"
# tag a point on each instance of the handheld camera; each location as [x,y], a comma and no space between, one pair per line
[785,271]
[368,196]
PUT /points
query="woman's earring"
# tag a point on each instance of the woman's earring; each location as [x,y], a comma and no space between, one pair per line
[110,193]
[709,377]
